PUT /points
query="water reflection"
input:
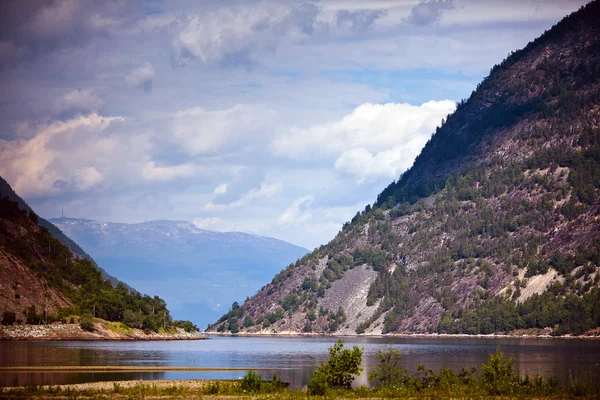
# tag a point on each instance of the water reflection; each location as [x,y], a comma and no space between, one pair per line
[292,358]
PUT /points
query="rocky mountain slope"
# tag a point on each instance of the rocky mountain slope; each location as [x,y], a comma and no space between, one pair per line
[494,228]
[200,273]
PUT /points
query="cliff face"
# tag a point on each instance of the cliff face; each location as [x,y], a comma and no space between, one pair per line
[494,228]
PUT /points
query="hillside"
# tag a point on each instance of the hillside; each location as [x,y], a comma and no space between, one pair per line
[200,273]
[8,192]
[42,281]
[495,227]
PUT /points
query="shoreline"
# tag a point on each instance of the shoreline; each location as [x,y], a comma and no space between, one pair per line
[406,335]
[74,333]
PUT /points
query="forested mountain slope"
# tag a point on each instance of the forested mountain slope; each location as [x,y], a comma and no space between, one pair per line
[8,192]
[495,227]
[41,280]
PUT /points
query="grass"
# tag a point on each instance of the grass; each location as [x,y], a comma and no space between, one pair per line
[117,327]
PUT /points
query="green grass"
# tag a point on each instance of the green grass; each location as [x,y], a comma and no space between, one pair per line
[116,327]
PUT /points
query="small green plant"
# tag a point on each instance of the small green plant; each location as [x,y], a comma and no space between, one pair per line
[86,322]
[213,387]
[337,371]
[577,387]
[251,382]
[116,387]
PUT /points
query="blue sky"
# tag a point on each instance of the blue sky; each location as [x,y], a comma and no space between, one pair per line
[270,117]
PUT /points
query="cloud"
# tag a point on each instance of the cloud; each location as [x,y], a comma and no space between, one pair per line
[142,76]
[373,141]
[34,28]
[265,191]
[298,212]
[359,21]
[201,131]
[221,189]
[237,32]
[78,101]
[152,171]
[57,158]
[236,35]
[428,12]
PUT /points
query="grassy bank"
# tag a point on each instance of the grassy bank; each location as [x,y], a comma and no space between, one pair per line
[271,390]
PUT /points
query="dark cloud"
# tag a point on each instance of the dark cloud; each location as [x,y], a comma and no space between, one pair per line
[358,21]
[429,11]
[305,17]
[30,27]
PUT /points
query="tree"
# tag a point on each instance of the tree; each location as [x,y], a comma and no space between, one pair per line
[338,370]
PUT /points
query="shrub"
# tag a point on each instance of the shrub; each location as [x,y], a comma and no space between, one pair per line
[8,318]
[497,374]
[252,382]
[338,370]
[390,371]
[86,322]
[213,387]
[317,384]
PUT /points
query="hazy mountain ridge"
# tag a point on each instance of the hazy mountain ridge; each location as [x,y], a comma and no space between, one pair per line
[199,272]
[494,228]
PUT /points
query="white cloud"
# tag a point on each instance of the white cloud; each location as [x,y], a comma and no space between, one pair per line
[373,141]
[142,76]
[201,131]
[154,172]
[57,157]
[266,190]
[79,100]
[298,212]
[221,189]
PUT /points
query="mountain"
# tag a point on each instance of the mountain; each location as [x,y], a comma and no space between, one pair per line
[9,193]
[495,227]
[199,272]
[42,280]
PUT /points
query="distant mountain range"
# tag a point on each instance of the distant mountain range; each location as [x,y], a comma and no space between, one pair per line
[199,273]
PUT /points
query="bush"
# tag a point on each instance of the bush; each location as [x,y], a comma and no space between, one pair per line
[390,371]
[497,375]
[8,318]
[338,370]
[317,384]
[86,322]
[252,382]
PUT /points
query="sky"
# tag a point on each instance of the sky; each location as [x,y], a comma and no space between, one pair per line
[280,118]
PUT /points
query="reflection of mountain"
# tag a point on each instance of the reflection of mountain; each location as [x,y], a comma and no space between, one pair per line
[198,272]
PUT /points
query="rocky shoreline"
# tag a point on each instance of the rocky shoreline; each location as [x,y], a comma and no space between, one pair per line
[60,332]
[524,334]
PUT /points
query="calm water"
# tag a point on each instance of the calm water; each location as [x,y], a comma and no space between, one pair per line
[292,358]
